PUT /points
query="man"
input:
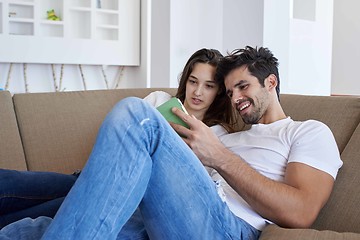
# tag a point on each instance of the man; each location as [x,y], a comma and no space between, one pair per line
[279,171]
[283,169]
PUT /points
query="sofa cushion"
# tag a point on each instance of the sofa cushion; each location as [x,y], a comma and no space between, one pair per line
[59,129]
[11,151]
[273,232]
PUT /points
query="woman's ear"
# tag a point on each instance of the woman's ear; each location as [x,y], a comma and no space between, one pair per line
[220,90]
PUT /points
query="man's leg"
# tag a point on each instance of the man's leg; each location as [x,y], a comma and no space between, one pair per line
[139,161]
[134,228]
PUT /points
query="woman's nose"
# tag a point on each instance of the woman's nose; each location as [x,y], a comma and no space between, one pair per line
[198,91]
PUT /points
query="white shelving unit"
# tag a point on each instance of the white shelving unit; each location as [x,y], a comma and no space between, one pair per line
[105,32]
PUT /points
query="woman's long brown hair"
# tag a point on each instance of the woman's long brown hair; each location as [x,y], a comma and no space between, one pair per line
[220,111]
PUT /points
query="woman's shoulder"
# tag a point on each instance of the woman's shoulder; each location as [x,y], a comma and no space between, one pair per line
[157,98]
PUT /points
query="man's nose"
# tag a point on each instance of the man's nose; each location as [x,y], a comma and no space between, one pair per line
[237,97]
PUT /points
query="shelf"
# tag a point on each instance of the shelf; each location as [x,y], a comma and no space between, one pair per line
[107,19]
[80,9]
[107,4]
[107,11]
[107,27]
[107,34]
[81,3]
[81,24]
[17,10]
[48,29]
[102,32]
[22,3]
[50,22]
[21,28]
[20,20]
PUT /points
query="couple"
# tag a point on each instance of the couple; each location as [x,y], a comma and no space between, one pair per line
[143,179]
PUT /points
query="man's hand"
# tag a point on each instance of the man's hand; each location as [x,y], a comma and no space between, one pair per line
[200,139]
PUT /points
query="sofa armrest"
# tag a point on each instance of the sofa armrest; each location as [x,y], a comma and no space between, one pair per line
[273,232]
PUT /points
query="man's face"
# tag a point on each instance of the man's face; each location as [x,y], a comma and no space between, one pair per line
[247,95]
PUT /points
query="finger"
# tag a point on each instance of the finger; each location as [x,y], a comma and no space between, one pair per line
[187,141]
[181,130]
[189,120]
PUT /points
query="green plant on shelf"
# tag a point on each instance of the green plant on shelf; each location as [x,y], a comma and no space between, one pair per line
[52,16]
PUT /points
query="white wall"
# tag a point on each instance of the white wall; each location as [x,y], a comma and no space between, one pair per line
[194,25]
[276,36]
[243,24]
[159,65]
[303,44]
[311,51]
[346,48]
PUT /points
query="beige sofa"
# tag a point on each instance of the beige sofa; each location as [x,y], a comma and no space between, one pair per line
[56,132]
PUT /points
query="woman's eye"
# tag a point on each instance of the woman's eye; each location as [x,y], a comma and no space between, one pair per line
[192,81]
[210,86]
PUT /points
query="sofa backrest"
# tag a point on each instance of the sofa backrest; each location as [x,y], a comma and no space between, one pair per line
[11,151]
[340,114]
[59,129]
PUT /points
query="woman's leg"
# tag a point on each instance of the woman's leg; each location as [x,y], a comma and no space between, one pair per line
[25,229]
[24,189]
[47,209]
[29,194]
[139,161]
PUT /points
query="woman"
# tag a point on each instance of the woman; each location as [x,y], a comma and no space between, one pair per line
[200,94]
[202,98]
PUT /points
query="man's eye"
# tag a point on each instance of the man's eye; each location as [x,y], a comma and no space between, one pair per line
[242,87]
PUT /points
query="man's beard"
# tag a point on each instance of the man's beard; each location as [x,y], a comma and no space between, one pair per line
[252,118]
[256,114]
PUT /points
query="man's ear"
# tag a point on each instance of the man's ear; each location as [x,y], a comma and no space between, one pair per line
[271,81]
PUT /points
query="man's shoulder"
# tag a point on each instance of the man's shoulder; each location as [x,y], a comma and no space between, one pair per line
[309,124]
[309,127]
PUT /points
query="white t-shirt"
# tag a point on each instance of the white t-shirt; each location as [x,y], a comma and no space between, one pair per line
[157,98]
[268,148]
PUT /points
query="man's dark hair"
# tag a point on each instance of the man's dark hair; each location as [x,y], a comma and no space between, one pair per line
[260,63]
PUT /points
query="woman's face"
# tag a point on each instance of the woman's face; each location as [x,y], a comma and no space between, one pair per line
[201,90]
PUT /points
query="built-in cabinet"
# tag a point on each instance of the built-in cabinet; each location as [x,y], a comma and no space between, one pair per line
[103,32]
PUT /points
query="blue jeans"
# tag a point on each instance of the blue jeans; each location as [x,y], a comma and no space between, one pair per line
[31,194]
[139,163]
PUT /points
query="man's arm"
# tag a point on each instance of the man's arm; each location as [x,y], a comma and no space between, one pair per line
[295,202]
